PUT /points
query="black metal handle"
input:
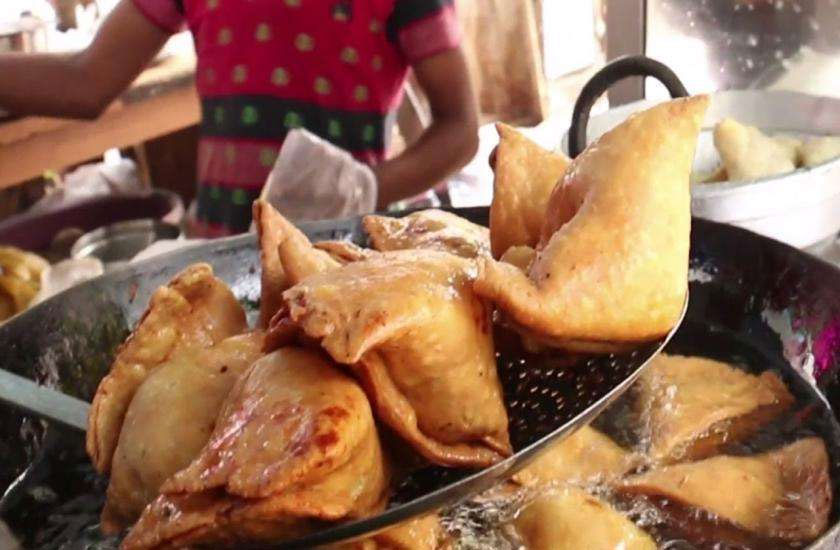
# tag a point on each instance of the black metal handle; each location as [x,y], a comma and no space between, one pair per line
[619,69]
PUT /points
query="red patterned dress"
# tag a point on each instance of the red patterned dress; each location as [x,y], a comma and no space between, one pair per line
[334,67]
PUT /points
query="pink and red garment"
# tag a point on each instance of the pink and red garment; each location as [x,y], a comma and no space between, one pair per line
[334,67]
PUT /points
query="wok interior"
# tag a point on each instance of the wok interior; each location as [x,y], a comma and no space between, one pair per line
[743,278]
[399,316]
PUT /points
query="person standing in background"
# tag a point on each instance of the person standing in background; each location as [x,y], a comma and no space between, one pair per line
[265,67]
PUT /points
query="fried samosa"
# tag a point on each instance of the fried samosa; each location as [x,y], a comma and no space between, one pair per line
[288,256]
[782,494]
[295,445]
[525,175]
[612,262]
[195,310]
[748,154]
[571,519]
[297,255]
[519,256]
[21,264]
[430,230]
[691,406]
[425,533]
[169,420]
[583,457]
[272,277]
[409,326]
[344,252]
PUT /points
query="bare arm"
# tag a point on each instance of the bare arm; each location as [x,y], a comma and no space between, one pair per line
[82,84]
[448,143]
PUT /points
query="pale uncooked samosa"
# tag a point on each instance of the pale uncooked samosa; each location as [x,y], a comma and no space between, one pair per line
[748,154]
[295,445]
[195,310]
[409,326]
[612,263]
[819,150]
[782,494]
[571,519]
[586,456]
[525,175]
[169,420]
[691,406]
[430,230]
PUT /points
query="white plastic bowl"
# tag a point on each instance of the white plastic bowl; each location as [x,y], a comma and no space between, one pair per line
[801,208]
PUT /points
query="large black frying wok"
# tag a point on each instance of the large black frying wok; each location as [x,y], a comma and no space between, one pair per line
[780,304]
[752,299]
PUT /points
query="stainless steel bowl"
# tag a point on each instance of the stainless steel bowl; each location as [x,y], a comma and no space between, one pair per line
[118,243]
[800,208]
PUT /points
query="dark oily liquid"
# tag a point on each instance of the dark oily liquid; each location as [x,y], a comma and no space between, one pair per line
[479,524]
[58,506]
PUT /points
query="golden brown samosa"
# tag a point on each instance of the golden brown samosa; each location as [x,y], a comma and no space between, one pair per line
[571,519]
[295,445]
[272,277]
[297,255]
[195,310]
[430,230]
[408,324]
[425,533]
[781,494]
[691,406]
[169,420]
[584,457]
[287,257]
[344,252]
[525,175]
[519,256]
[612,263]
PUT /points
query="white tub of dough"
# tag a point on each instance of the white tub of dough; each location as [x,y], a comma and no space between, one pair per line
[800,207]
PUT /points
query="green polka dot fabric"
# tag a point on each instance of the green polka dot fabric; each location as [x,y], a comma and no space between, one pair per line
[250,115]
[293,120]
[265,67]
[334,128]
[304,42]
[239,197]
[263,32]
[279,76]
[368,133]
[268,156]
[350,55]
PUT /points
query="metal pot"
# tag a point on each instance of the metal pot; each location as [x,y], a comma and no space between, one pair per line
[41,231]
[118,243]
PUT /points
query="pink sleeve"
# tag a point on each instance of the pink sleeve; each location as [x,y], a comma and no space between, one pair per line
[431,35]
[163,13]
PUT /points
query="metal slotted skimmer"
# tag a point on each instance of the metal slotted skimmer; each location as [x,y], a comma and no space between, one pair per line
[69,340]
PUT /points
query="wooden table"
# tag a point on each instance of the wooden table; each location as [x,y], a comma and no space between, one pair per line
[162,100]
